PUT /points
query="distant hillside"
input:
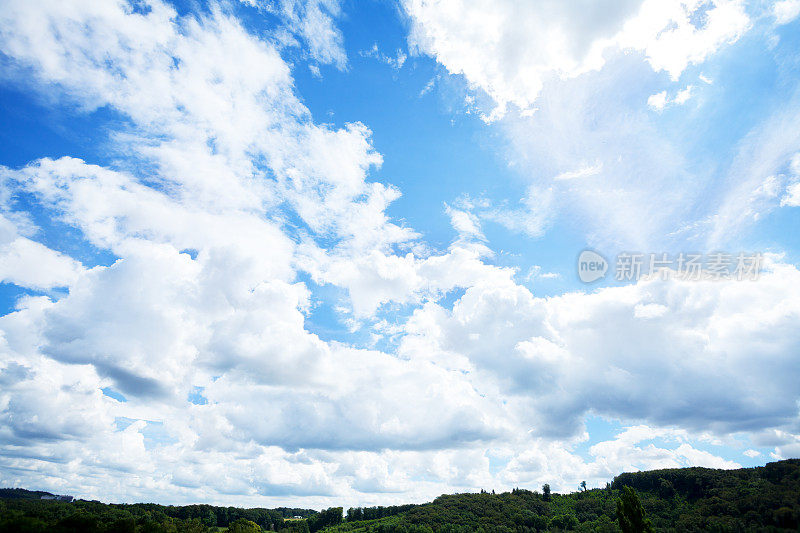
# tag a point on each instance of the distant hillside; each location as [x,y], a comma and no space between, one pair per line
[687,499]
[22,494]
[23,510]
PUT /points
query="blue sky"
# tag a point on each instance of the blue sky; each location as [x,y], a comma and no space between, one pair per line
[330,248]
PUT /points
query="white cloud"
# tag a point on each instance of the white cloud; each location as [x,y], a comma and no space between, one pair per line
[622,455]
[652,193]
[683,95]
[634,448]
[535,272]
[532,216]
[649,310]
[660,100]
[30,264]
[509,49]
[752,454]
[313,21]
[587,124]
[573,343]
[785,11]
[464,222]
[672,37]
[583,172]
[752,185]
[376,278]
[396,62]
[792,196]
[428,87]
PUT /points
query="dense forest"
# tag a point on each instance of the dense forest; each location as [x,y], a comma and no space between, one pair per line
[688,499]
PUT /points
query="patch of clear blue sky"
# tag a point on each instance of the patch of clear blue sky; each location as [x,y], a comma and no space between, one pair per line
[111,393]
[196,396]
[154,432]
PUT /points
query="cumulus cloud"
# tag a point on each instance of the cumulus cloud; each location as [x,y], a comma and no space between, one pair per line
[509,50]
[612,348]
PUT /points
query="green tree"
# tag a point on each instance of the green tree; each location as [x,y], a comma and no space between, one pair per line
[630,513]
[242,525]
[563,521]
[665,488]
[546,492]
[326,518]
[583,485]
[209,518]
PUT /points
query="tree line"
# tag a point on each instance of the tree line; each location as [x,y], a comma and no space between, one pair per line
[688,499]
